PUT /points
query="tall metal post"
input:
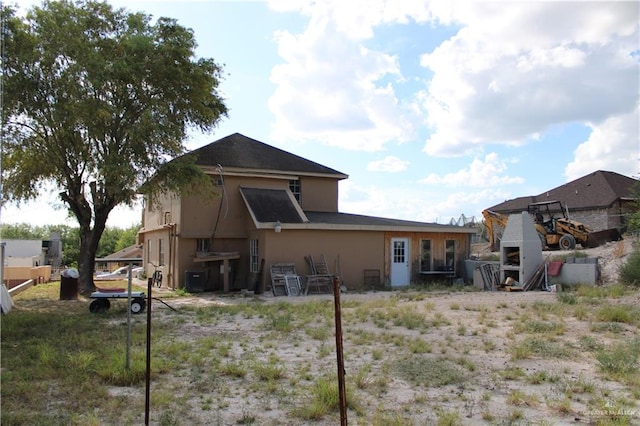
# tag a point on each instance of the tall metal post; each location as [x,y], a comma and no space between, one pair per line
[341,384]
[147,393]
[128,356]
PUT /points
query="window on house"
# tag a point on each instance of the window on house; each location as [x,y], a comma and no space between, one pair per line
[294,187]
[253,255]
[426,256]
[160,251]
[450,255]
[203,245]
[149,252]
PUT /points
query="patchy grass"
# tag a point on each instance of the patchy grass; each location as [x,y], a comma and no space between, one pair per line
[411,357]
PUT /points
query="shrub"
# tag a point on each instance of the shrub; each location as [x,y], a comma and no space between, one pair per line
[630,270]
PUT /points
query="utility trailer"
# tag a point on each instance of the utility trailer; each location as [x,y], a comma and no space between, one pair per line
[102,303]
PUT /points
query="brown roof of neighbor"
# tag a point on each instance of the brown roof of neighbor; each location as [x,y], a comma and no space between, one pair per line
[134,251]
[596,190]
[240,151]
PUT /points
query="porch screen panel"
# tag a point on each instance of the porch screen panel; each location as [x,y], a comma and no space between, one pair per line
[450,254]
[426,256]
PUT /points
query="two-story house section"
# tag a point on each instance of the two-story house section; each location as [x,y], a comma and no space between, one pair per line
[277,207]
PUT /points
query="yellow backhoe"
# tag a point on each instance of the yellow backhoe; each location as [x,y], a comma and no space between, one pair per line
[556,230]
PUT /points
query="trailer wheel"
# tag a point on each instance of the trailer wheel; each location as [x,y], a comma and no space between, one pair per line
[99,306]
[567,242]
[137,306]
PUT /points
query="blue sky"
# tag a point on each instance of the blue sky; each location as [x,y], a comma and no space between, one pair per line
[433,109]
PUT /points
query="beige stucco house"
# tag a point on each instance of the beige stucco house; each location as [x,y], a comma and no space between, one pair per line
[276,207]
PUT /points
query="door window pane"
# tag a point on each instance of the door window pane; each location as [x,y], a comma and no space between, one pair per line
[398,251]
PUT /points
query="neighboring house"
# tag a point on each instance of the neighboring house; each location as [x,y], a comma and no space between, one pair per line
[30,259]
[601,200]
[128,255]
[276,207]
[33,252]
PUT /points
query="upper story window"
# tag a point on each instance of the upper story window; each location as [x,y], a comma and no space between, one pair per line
[294,187]
[203,245]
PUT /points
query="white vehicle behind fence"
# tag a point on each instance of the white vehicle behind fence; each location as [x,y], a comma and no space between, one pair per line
[121,273]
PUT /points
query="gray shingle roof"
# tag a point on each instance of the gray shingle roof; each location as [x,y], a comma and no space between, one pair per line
[336,218]
[596,190]
[240,151]
[275,205]
[356,220]
[271,205]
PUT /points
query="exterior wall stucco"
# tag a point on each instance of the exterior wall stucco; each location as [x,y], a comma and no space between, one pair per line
[357,250]
[202,215]
[319,194]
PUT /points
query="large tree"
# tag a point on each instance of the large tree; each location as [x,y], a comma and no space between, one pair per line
[97,101]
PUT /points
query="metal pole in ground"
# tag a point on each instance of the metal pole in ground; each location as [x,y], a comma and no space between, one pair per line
[127,360]
[341,384]
[148,373]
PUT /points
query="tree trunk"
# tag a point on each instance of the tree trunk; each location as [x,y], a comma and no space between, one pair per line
[89,239]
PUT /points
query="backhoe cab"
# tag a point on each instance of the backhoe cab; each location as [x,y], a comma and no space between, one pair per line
[555,228]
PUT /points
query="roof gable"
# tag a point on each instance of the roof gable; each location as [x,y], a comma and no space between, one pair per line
[599,189]
[239,151]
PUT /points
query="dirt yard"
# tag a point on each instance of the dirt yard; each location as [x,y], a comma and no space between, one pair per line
[411,357]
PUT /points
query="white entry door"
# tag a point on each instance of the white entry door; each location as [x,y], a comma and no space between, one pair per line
[399,262]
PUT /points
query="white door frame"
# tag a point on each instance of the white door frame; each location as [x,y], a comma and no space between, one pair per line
[399,252]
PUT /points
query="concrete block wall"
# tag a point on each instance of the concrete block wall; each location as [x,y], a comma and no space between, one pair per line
[577,273]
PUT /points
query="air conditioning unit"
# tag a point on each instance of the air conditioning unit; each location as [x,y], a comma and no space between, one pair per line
[194,281]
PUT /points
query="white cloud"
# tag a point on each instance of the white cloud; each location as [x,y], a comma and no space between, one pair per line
[614,144]
[357,18]
[332,89]
[410,202]
[487,172]
[390,164]
[517,68]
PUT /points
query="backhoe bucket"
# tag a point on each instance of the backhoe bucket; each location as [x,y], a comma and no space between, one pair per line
[595,239]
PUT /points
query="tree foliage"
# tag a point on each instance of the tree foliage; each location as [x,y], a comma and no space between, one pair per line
[97,102]
[633,220]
